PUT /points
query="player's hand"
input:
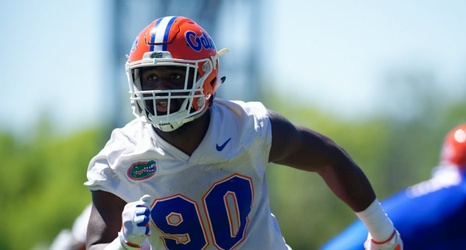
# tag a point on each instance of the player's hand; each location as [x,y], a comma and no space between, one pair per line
[135,218]
[392,243]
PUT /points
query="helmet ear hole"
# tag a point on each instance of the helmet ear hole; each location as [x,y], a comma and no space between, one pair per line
[212,83]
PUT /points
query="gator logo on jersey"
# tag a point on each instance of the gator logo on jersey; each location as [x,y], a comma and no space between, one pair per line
[142,170]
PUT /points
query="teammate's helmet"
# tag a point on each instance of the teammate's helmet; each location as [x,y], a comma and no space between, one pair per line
[454,148]
[180,42]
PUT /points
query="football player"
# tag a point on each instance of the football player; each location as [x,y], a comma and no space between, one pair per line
[189,171]
[430,214]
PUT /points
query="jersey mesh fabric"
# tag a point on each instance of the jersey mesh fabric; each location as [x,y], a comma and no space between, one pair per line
[215,198]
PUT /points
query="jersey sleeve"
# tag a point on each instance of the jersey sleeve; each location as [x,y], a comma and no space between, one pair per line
[100,174]
[252,126]
[262,126]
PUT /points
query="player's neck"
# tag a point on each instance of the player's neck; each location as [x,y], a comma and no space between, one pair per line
[188,137]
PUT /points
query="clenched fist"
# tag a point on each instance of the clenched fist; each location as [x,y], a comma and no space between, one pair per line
[135,219]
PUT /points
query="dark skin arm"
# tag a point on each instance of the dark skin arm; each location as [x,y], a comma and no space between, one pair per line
[105,219]
[304,149]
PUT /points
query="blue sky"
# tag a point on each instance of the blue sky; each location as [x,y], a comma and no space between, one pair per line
[331,55]
[341,51]
[51,63]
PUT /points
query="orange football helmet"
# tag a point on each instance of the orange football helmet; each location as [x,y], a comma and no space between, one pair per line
[454,148]
[179,42]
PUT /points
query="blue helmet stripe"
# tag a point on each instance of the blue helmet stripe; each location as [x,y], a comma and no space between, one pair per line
[152,36]
[160,33]
[167,33]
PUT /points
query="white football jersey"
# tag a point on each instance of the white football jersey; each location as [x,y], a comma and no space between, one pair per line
[217,198]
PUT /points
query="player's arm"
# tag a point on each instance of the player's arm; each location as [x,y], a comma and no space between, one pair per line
[105,219]
[305,149]
[308,150]
[117,225]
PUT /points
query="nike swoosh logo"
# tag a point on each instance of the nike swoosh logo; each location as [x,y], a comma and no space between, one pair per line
[221,147]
